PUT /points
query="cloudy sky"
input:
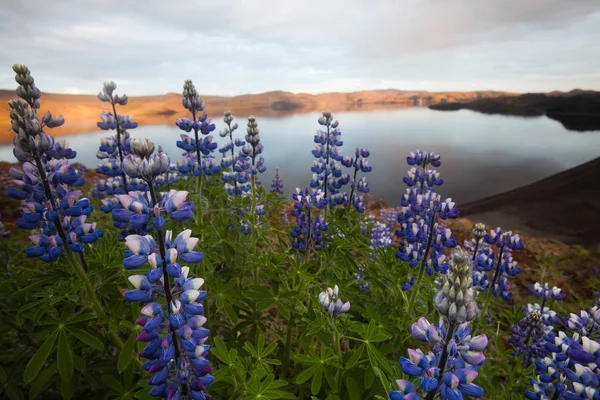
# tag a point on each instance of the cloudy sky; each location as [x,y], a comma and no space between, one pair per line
[233,47]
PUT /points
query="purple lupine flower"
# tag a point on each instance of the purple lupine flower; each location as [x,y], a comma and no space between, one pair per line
[231,161]
[196,147]
[330,301]
[450,368]
[528,335]
[172,318]
[138,215]
[358,163]
[307,233]
[569,370]
[277,185]
[502,266]
[584,323]
[545,292]
[327,173]
[114,148]
[423,238]
[44,180]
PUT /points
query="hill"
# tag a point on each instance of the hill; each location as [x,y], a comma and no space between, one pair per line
[81,111]
[577,110]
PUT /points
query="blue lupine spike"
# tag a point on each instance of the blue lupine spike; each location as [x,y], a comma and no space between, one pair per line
[56,216]
[451,341]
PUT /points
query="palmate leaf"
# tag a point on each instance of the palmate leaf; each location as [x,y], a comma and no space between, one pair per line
[37,361]
[267,389]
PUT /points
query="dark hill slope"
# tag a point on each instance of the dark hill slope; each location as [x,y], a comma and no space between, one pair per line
[565,206]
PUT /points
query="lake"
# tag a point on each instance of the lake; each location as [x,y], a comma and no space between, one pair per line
[481,154]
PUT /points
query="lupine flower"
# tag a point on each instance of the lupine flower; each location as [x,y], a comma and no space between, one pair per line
[528,335]
[545,292]
[501,266]
[277,185]
[307,233]
[116,147]
[143,163]
[173,329]
[328,175]
[200,123]
[450,368]
[232,160]
[358,163]
[330,301]
[381,236]
[455,300]
[137,214]
[584,323]
[44,179]
[423,238]
[569,370]
[409,284]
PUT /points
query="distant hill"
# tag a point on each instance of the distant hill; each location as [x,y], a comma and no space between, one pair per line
[81,111]
[577,110]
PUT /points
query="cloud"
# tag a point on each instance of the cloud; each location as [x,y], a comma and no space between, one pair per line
[247,46]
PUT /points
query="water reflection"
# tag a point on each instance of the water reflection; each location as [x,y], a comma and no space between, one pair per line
[481,154]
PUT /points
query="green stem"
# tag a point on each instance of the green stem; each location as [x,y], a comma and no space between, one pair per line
[254,227]
[417,286]
[288,347]
[338,353]
[490,289]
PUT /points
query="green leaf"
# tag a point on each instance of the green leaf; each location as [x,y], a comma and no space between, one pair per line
[38,359]
[220,351]
[231,313]
[369,378]
[14,393]
[355,356]
[80,318]
[2,375]
[304,359]
[126,354]
[315,386]
[306,374]
[353,389]
[87,338]
[113,383]
[42,380]
[64,358]
[66,389]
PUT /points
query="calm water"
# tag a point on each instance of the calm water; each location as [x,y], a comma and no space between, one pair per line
[481,154]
